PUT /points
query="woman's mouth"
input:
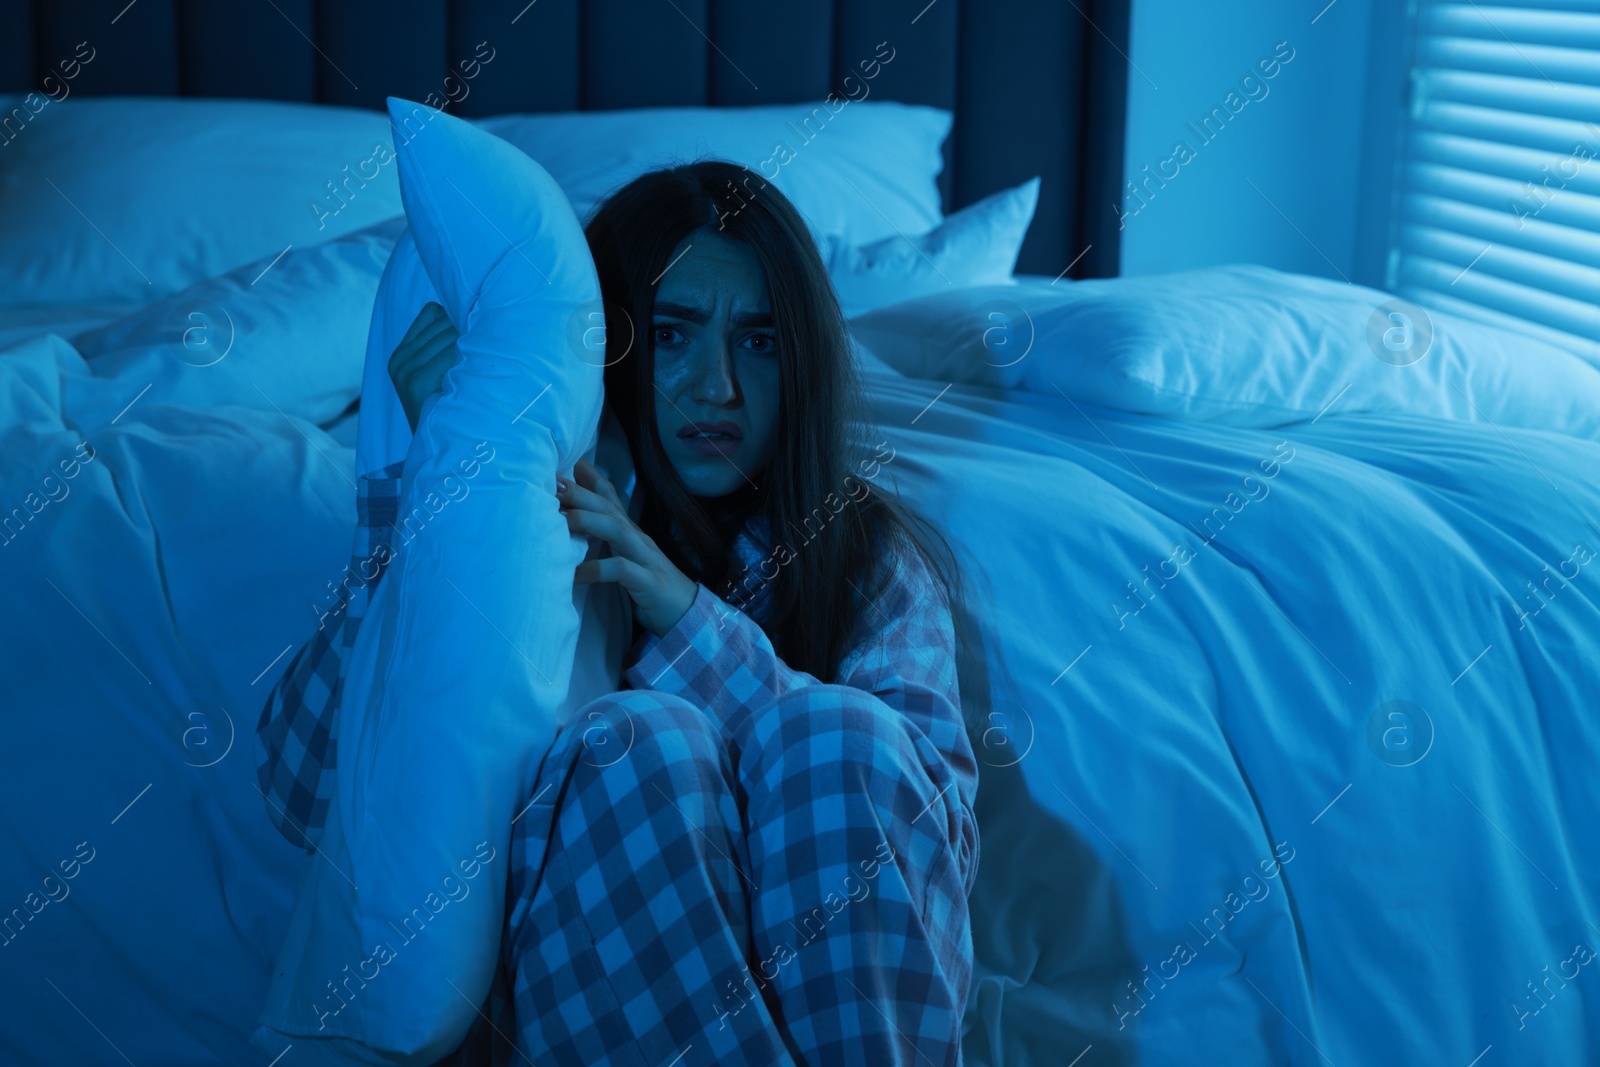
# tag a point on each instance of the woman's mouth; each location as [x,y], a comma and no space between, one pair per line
[712,438]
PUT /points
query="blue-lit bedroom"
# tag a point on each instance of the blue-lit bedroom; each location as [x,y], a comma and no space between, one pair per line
[679,533]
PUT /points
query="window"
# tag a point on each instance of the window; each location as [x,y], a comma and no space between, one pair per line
[1497,210]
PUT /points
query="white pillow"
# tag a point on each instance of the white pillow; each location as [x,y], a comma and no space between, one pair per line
[462,663]
[133,198]
[24,321]
[856,170]
[1244,345]
[978,245]
[284,335]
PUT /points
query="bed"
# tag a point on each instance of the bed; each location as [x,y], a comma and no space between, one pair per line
[1284,655]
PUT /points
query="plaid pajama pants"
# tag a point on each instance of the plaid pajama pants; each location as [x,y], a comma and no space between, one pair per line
[781,888]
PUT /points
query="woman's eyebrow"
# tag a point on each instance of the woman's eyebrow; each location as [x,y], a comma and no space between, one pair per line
[699,315]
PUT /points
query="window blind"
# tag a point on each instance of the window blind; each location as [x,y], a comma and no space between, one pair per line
[1497,212]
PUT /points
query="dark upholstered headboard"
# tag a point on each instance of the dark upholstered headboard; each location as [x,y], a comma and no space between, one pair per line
[1036,86]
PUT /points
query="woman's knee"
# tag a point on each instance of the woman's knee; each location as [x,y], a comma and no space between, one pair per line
[828,730]
[640,725]
[853,752]
[839,720]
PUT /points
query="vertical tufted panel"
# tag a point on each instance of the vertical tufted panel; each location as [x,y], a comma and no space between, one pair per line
[16,48]
[373,50]
[776,51]
[644,55]
[1104,96]
[135,48]
[1005,72]
[536,52]
[278,64]
[919,42]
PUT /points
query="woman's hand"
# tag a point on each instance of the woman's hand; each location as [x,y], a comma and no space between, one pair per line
[426,351]
[662,594]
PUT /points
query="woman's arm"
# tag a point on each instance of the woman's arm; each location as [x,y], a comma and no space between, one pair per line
[902,648]
[297,737]
[903,653]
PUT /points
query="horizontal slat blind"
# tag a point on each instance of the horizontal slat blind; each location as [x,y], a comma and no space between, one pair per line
[1499,206]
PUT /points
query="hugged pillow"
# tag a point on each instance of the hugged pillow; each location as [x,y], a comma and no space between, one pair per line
[1244,345]
[978,245]
[134,198]
[856,170]
[461,667]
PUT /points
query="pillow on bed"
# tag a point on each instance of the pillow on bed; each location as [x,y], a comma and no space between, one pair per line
[462,662]
[132,198]
[1243,345]
[859,171]
[285,334]
[23,322]
[978,245]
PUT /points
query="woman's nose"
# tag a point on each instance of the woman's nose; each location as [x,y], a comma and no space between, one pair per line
[714,381]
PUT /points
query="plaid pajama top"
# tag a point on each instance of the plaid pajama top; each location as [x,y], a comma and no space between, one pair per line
[716,656]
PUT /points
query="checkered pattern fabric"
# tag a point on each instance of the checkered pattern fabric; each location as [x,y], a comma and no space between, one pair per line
[296,742]
[903,651]
[727,861]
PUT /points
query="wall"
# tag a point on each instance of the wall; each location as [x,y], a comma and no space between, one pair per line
[1246,138]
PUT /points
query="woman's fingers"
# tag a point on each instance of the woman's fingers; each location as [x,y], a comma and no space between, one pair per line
[594,478]
[432,312]
[423,320]
[591,514]
[588,473]
[430,369]
[408,359]
[430,321]
[607,526]
[424,363]
[433,345]
[610,569]
[575,494]
[418,364]
[424,379]
[661,593]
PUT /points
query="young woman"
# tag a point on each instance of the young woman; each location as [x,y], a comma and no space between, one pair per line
[758,851]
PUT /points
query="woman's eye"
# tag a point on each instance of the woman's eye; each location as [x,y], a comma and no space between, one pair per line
[664,334]
[763,342]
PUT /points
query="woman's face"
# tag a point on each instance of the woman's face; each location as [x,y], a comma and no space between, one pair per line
[716,362]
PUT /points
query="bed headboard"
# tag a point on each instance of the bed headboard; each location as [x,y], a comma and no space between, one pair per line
[1036,86]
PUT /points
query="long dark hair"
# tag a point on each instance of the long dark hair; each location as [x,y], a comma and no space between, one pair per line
[808,610]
